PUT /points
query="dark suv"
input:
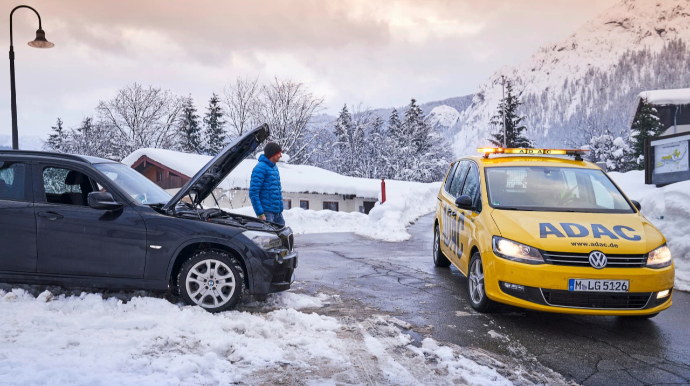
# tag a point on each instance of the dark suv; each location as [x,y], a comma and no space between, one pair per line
[81,221]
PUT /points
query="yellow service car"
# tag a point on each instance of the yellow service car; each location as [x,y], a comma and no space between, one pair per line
[550,234]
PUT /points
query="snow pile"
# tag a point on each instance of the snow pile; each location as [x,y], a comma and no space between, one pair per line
[389,221]
[88,340]
[668,208]
[311,221]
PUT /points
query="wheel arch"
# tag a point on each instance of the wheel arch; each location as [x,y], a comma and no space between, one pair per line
[190,247]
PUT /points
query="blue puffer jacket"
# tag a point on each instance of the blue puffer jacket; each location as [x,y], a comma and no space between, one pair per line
[264,189]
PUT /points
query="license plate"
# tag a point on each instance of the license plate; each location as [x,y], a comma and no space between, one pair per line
[588,285]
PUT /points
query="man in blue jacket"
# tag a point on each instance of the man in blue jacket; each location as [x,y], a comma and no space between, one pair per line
[264,189]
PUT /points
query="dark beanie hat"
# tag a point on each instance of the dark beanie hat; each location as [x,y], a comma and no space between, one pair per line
[272,149]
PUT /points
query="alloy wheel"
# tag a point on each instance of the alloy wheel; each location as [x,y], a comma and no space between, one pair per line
[210,283]
[476,281]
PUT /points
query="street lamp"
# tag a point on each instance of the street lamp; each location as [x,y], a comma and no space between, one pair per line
[39,42]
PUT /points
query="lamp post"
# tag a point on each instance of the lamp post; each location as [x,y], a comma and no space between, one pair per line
[39,42]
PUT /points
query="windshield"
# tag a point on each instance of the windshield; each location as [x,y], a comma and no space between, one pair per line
[542,188]
[140,188]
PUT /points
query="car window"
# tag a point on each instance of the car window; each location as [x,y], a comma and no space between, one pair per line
[554,189]
[66,186]
[471,186]
[451,173]
[458,179]
[12,180]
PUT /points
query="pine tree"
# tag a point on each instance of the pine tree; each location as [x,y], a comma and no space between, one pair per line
[342,131]
[57,141]
[514,129]
[646,125]
[214,132]
[615,152]
[188,129]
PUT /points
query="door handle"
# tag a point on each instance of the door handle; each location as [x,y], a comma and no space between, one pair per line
[50,215]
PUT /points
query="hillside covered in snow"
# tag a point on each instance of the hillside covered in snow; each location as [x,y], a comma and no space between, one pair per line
[590,79]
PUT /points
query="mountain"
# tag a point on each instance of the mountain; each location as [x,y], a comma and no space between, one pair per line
[590,78]
[26,142]
[444,119]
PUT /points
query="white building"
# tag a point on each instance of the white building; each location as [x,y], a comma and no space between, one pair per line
[304,186]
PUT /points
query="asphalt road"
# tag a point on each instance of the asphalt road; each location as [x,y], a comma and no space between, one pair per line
[400,279]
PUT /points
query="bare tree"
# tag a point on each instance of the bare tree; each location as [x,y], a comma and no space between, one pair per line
[288,107]
[141,117]
[240,100]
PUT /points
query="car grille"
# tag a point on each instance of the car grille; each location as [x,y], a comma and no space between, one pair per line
[582,260]
[630,301]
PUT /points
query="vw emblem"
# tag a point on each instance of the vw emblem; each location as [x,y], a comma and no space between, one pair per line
[597,259]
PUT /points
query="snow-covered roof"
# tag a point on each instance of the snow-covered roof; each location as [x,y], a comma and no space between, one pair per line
[294,178]
[667,97]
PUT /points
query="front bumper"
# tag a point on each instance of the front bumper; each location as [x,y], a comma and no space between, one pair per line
[546,288]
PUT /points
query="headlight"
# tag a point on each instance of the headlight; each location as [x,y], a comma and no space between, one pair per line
[264,240]
[659,258]
[511,250]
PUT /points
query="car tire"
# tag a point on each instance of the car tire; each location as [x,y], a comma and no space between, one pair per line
[440,260]
[476,290]
[212,280]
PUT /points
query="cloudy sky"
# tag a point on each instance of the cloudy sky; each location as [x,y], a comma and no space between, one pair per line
[379,53]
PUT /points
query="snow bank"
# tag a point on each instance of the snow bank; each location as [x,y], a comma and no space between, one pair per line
[311,221]
[389,221]
[88,340]
[405,203]
[668,208]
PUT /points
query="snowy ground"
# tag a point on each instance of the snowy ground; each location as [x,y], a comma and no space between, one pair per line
[668,208]
[387,221]
[72,338]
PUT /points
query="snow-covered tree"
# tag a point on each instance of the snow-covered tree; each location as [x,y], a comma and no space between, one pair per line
[514,128]
[241,103]
[140,117]
[615,152]
[214,132]
[646,125]
[57,140]
[91,138]
[188,130]
[342,130]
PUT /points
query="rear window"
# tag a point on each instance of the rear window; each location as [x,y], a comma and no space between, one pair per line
[554,189]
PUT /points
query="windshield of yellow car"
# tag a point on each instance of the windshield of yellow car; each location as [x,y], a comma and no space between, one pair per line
[555,189]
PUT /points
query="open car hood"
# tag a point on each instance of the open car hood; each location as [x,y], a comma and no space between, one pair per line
[216,170]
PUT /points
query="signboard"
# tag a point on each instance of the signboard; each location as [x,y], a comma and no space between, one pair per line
[671,157]
[667,159]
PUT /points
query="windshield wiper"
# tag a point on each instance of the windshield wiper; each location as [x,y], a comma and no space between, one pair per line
[514,208]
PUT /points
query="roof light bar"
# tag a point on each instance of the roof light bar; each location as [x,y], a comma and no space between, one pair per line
[524,151]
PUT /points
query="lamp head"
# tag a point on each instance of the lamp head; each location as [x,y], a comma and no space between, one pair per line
[40,41]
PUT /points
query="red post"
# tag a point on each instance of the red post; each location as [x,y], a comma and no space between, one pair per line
[383,190]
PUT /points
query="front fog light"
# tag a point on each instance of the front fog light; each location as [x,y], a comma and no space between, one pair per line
[264,240]
[514,287]
[659,258]
[662,294]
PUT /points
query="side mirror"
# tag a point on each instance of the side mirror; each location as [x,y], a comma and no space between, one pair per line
[464,202]
[103,201]
[637,204]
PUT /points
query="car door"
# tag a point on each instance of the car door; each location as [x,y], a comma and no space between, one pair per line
[468,218]
[17,221]
[450,226]
[75,239]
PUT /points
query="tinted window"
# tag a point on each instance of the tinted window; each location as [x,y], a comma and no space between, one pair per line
[459,178]
[449,180]
[12,179]
[65,186]
[471,186]
[330,205]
